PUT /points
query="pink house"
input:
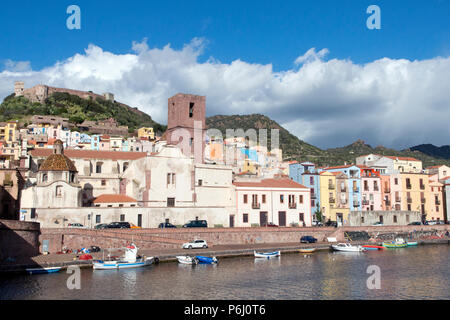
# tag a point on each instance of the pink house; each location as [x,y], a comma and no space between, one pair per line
[104,144]
[280,201]
[371,196]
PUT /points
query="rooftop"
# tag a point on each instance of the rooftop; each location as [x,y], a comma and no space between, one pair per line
[271,183]
[113,198]
[92,154]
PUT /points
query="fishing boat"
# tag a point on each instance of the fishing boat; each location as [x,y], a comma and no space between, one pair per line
[43,270]
[130,260]
[412,243]
[347,247]
[187,260]
[372,247]
[206,260]
[267,255]
[397,243]
[310,250]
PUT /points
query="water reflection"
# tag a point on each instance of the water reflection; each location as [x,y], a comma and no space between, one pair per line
[410,273]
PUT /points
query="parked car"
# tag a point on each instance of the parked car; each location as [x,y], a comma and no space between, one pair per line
[317,224]
[271,224]
[331,224]
[415,223]
[308,239]
[101,226]
[196,244]
[95,249]
[119,225]
[75,225]
[378,223]
[196,224]
[132,226]
[166,225]
[434,222]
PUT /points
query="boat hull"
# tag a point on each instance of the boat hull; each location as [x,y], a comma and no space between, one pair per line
[112,265]
[412,243]
[206,260]
[267,255]
[187,260]
[347,249]
[373,247]
[394,245]
[43,270]
[307,250]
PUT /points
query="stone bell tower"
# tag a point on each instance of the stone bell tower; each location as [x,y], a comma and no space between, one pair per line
[187,120]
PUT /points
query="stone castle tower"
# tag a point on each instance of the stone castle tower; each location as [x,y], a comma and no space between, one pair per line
[187,114]
[19,87]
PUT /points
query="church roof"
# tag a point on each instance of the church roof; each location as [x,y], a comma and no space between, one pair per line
[58,161]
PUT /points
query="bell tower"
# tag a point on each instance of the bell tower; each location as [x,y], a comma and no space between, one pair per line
[187,120]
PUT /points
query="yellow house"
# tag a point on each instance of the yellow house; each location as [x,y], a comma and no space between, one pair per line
[327,183]
[146,133]
[415,192]
[8,131]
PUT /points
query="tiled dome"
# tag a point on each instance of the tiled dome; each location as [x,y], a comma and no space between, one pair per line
[58,161]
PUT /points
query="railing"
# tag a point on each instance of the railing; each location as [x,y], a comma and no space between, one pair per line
[422,187]
[409,200]
[398,199]
[423,200]
[365,202]
[292,206]
[313,196]
[343,189]
[387,190]
[331,186]
[437,202]
[332,200]
[356,203]
[387,202]
[375,188]
[408,186]
[256,205]
[356,190]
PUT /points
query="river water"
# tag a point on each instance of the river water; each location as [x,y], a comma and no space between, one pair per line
[409,273]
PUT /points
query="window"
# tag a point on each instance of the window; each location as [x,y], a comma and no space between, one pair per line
[171,202]
[409,207]
[200,182]
[263,198]
[171,179]
[59,191]
[191,109]
[98,168]
[245,218]
[121,205]
[301,199]
[254,199]
[103,182]
[311,180]
[245,198]
[302,217]
[381,219]
[97,218]
[281,198]
[362,219]
[122,218]
[396,181]
[44,177]
[395,219]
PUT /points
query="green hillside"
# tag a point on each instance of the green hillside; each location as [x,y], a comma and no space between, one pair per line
[77,110]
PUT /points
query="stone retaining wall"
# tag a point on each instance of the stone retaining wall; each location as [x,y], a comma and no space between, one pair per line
[18,240]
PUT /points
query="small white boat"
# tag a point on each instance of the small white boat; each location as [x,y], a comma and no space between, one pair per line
[131,260]
[187,260]
[43,270]
[347,247]
[267,255]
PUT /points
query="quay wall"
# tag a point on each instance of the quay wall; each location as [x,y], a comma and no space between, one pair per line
[173,238]
[18,240]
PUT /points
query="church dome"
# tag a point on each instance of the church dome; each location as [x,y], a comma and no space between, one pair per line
[58,161]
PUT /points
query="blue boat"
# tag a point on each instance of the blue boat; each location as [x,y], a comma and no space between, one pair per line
[206,260]
[43,270]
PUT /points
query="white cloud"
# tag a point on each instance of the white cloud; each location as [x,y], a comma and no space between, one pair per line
[396,103]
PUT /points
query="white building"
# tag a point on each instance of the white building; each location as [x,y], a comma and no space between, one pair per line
[280,201]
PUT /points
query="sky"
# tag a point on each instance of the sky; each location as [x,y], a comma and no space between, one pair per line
[312,66]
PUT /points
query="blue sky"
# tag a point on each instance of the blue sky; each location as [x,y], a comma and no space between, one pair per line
[313,66]
[260,31]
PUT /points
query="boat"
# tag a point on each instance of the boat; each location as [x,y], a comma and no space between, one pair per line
[412,243]
[267,255]
[310,250]
[206,260]
[187,260]
[347,247]
[43,270]
[372,247]
[397,243]
[130,260]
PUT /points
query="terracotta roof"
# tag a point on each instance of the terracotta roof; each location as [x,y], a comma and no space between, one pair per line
[434,167]
[92,154]
[57,162]
[402,158]
[270,183]
[113,198]
[337,167]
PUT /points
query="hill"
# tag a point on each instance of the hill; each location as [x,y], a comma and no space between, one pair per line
[433,151]
[296,149]
[76,109]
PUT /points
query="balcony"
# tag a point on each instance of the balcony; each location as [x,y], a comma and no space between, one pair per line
[387,202]
[331,186]
[292,206]
[343,189]
[256,205]
[356,190]
[332,200]
[365,202]
[422,200]
[313,196]
[437,202]
[375,188]
[387,190]
[422,187]
[409,200]
[356,203]
[408,186]
[398,199]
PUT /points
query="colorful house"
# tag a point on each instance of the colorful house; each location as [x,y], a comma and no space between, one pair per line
[146,133]
[371,194]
